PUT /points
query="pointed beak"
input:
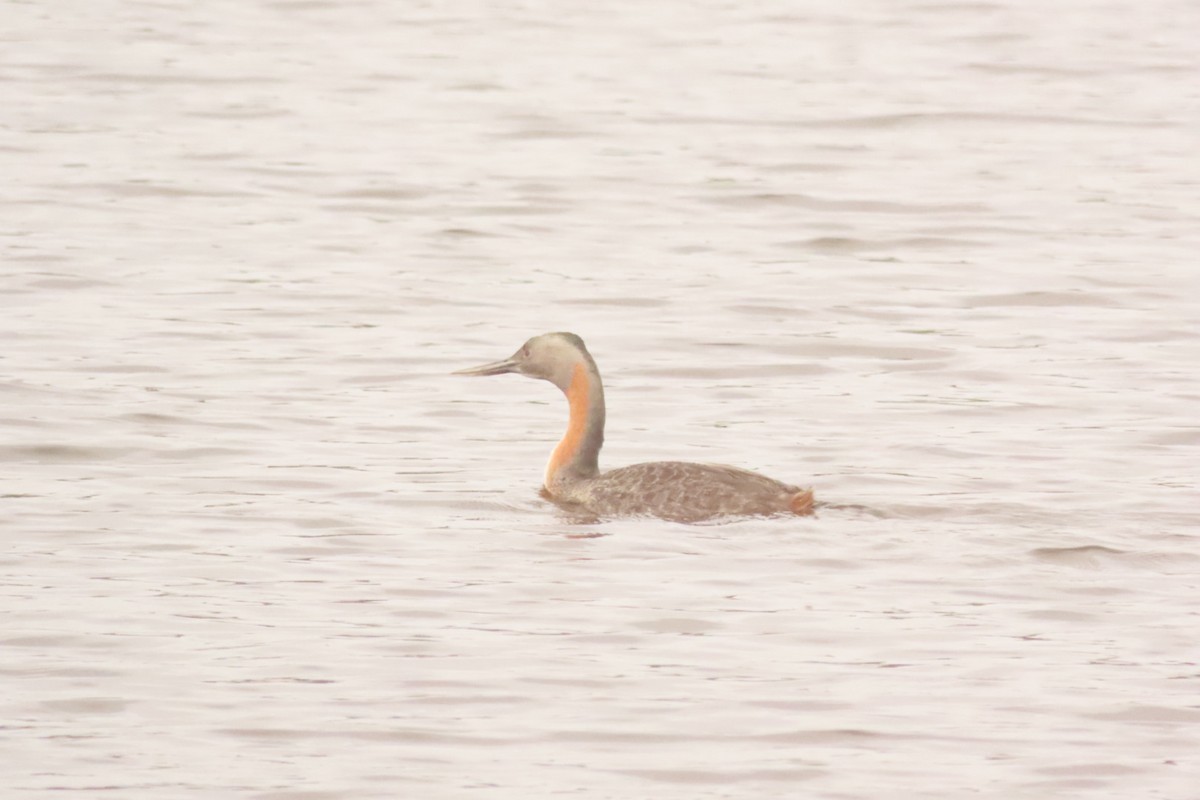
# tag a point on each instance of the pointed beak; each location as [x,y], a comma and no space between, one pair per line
[495,368]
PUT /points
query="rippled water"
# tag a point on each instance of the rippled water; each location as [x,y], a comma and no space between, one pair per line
[936,260]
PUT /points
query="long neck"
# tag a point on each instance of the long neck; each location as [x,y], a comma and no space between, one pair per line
[578,454]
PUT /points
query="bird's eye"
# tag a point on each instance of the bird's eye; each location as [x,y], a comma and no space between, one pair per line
[525,351]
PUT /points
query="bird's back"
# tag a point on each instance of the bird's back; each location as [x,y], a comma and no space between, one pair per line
[686,492]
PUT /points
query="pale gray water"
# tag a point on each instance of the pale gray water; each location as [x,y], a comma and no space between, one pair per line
[938,260]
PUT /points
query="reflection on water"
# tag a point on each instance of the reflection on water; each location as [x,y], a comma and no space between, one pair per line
[936,260]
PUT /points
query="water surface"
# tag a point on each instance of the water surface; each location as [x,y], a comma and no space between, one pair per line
[937,260]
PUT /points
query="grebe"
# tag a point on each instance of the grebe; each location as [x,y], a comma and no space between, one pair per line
[672,490]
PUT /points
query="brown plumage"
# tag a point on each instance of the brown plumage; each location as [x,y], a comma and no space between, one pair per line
[674,490]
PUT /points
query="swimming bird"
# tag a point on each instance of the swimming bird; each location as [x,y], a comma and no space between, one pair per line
[672,490]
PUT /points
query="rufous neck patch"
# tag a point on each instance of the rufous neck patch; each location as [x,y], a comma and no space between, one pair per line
[579,400]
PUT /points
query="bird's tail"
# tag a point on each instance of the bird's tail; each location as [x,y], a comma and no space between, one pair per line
[802,502]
